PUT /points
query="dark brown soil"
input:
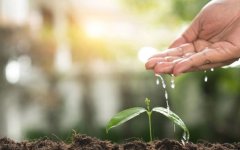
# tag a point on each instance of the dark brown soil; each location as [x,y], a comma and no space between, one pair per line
[83,142]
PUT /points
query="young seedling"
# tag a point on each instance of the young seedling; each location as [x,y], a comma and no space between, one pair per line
[130,113]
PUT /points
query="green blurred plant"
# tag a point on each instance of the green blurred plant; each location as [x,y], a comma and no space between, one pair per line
[130,113]
[187,9]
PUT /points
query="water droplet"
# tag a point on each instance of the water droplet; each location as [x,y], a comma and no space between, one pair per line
[212,69]
[164,86]
[172,82]
[166,97]
[205,78]
[166,94]
[173,86]
[157,81]
[168,109]
[165,91]
[163,82]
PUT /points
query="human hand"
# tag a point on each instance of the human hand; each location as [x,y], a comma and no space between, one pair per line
[212,40]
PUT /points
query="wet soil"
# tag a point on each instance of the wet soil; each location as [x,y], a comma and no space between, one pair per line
[83,142]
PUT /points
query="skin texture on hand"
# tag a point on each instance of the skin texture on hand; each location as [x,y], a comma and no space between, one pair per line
[212,40]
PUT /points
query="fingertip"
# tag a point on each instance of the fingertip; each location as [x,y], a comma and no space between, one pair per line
[147,66]
[151,63]
[176,73]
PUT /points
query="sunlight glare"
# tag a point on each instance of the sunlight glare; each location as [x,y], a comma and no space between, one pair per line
[95,29]
[13,11]
[145,53]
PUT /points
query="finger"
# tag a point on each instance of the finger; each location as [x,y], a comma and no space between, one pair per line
[209,66]
[207,56]
[153,61]
[178,51]
[164,68]
[188,54]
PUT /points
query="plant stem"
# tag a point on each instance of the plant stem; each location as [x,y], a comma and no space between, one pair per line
[149,113]
[150,124]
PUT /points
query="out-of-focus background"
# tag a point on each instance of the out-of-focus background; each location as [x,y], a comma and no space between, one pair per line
[70,65]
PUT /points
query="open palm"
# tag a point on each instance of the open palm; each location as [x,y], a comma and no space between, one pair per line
[212,40]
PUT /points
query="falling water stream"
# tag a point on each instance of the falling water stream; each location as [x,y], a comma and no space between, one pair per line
[205,77]
[172,81]
[172,84]
[164,87]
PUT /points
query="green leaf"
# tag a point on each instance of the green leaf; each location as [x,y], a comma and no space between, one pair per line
[175,118]
[124,116]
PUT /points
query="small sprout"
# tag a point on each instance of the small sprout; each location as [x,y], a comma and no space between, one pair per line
[147,102]
[124,116]
[130,113]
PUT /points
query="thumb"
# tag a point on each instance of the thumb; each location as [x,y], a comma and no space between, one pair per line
[189,35]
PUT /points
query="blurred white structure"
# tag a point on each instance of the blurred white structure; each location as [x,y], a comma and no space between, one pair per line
[33,98]
[63,58]
[14,11]
[12,71]
[145,53]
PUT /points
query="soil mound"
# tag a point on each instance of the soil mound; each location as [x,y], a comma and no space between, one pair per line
[83,142]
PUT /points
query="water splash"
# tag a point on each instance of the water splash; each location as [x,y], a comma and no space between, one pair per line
[185,136]
[206,77]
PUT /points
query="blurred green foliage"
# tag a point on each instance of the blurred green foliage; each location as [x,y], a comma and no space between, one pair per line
[187,9]
[142,6]
[184,10]
[210,110]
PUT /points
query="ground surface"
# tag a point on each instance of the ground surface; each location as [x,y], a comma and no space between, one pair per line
[83,142]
